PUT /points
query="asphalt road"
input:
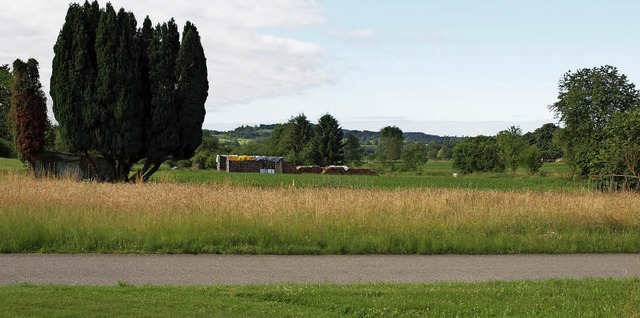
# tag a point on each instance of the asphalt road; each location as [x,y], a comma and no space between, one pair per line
[94,269]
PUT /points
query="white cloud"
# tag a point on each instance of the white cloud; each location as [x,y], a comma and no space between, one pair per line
[244,62]
[371,37]
[358,37]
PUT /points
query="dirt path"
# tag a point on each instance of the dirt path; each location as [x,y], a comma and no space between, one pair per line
[92,269]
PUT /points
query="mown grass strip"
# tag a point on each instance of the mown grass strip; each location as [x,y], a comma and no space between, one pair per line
[548,298]
[61,216]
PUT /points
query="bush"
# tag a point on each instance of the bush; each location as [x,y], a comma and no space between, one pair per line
[531,158]
[477,154]
[7,149]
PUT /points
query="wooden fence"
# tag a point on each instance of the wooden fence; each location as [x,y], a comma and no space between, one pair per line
[616,182]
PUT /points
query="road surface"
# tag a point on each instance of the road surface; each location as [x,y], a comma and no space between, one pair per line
[109,269]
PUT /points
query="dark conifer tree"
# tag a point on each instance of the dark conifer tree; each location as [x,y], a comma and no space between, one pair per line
[327,145]
[193,89]
[163,130]
[301,131]
[69,64]
[128,93]
[30,108]
[5,102]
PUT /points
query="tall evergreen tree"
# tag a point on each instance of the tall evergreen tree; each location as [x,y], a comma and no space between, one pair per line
[6,80]
[193,89]
[128,93]
[30,107]
[327,145]
[301,131]
[163,132]
[71,63]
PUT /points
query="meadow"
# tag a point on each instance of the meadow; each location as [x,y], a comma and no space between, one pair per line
[435,174]
[188,211]
[548,298]
[65,216]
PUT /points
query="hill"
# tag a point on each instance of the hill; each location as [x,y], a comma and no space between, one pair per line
[263,131]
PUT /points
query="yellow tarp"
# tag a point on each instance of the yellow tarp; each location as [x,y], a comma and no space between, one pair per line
[240,158]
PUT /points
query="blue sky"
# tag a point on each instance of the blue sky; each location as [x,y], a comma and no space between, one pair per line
[457,68]
[440,67]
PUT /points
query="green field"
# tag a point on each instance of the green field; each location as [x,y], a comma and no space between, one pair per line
[65,216]
[191,211]
[549,298]
[436,174]
[11,165]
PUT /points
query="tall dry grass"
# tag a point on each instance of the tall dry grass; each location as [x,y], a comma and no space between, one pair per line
[69,216]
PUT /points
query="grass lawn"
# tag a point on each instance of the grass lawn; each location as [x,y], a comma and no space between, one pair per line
[548,298]
[11,165]
[437,174]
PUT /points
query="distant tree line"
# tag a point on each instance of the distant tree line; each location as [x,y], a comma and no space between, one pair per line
[390,151]
[508,150]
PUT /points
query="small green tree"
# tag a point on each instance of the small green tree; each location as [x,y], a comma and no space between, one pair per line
[477,154]
[543,139]
[444,153]
[433,147]
[531,158]
[327,147]
[352,150]
[622,148]
[30,109]
[279,142]
[414,156]
[206,152]
[390,145]
[510,145]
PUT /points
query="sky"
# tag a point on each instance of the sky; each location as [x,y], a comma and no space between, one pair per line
[449,68]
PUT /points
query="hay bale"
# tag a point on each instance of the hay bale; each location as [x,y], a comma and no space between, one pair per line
[335,170]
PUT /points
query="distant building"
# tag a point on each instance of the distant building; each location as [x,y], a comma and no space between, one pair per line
[61,165]
[261,164]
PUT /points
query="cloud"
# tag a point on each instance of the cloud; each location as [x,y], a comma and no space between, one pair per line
[245,62]
[371,37]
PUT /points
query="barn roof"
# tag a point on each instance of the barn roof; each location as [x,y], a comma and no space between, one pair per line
[254,158]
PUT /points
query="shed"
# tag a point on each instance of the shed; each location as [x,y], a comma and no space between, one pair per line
[62,165]
[244,163]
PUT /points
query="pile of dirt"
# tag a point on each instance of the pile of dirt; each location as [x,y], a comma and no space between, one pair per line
[309,169]
[361,172]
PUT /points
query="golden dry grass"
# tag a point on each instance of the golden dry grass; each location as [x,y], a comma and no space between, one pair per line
[450,206]
[290,213]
